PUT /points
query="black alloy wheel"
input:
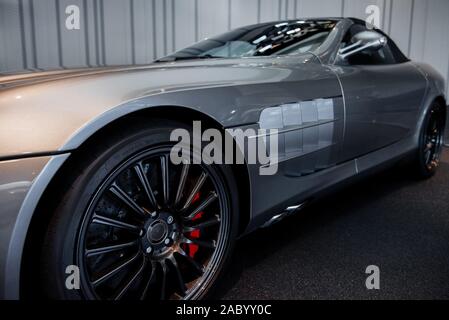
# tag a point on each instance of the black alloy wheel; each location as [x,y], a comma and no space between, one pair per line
[431,141]
[167,241]
[149,229]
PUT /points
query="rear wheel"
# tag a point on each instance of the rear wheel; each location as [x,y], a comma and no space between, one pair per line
[139,227]
[431,142]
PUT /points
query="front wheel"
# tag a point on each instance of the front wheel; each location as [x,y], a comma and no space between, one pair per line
[139,227]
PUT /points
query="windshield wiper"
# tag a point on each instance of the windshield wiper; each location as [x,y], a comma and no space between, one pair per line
[174,58]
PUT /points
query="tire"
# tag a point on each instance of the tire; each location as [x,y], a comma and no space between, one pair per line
[426,160]
[168,241]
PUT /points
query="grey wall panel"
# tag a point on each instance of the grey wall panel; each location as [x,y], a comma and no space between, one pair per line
[287,9]
[27,38]
[169,25]
[11,36]
[116,17]
[98,32]
[33,34]
[161,36]
[46,34]
[291,6]
[213,17]
[418,30]
[89,31]
[436,45]
[401,22]
[329,8]
[268,10]
[143,31]
[243,12]
[185,24]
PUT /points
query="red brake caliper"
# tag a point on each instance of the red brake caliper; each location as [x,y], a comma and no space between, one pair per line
[193,248]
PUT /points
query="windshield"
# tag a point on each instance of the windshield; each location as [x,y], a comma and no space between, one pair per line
[282,38]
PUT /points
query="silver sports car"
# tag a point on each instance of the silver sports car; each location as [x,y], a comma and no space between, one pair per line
[91,205]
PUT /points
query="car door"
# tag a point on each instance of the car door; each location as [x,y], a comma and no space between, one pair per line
[383,92]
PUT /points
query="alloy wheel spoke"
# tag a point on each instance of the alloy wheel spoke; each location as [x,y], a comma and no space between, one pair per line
[108,249]
[182,285]
[196,188]
[182,182]
[165,178]
[203,225]
[115,270]
[150,280]
[198,268]
[146,185]
[428,147]
[99,219]
[211,244]
[131,281]
[125,198]
[428,156]
[164,279]
[202,206]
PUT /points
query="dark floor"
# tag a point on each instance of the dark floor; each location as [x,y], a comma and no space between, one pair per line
[389,220]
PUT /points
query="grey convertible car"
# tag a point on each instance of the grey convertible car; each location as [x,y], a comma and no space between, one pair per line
[91,205]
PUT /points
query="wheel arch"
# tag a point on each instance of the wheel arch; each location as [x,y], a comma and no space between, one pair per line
[47,201]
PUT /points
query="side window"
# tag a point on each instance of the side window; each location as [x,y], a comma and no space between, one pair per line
[379,57]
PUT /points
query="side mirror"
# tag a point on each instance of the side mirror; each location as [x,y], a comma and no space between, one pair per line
[363,41]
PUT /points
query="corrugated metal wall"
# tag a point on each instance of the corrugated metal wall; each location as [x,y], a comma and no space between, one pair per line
[33,34]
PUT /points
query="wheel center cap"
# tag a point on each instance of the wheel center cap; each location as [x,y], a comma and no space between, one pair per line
[157,231]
